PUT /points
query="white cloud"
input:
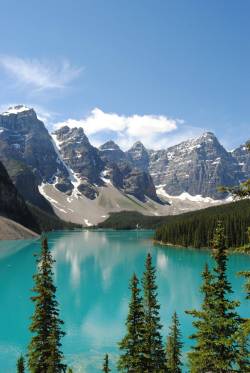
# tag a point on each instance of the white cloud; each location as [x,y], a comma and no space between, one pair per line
[39,75]
[98,125]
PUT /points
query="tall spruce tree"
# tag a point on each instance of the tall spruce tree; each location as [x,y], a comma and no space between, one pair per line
[218,324]
[201,356]
[153,352]
[105,367]
[44,354]
[131,345]
[20,365]
[240,192]
[174,346]
[243,360]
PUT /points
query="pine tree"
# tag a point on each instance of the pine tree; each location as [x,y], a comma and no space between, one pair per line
[243,360]
[20,365]
[131,344]
[44,355]
[174,346]
[153,352]
[201,357]
[106,368]
[217,349]
[246,274]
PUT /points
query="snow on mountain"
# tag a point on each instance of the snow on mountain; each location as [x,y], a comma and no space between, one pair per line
[16,109]
[63,172]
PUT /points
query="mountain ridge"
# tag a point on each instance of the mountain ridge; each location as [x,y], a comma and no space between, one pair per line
[55,171]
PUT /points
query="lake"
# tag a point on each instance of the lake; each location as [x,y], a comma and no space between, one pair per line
[92,272]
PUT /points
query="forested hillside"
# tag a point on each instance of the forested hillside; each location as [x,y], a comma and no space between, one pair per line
[131,220]
[195,229]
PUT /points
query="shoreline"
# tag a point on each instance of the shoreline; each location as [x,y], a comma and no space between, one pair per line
[233,250]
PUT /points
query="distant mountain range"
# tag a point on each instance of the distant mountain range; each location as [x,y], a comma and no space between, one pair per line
[63,173]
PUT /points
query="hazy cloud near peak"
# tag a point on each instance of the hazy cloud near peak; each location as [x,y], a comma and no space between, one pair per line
[39,75]
[154,131]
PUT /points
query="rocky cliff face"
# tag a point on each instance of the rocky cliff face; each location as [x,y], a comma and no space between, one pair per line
[139,156]
[126,170]
[67,162]
[81,158]
[28,153]
[242,156]
[12,205]
[197,167]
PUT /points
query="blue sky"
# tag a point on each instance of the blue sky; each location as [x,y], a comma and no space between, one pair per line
[158,70]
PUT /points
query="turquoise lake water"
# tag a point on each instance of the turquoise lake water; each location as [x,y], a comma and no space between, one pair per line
[92,272]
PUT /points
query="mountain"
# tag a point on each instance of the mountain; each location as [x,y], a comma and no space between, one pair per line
[28,153]
[19,219]
[110,152]
[126,174]
[139,156]
[12,205]
[64,174]
[242,156]
[81,159]
[197,167]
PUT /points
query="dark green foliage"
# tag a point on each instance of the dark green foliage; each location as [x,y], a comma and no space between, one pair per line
[246,274]
[174,346]
[243,360]
[20,365]
[48,222]
[106,368]
[153,352]
[131,345]
[195,229]
[218,323]
[44,354]
[131,220]
[69,370]
[201,357]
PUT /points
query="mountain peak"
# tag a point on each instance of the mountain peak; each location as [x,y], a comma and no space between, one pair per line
[208,135]
[109,145]
[17,109]
[138,145]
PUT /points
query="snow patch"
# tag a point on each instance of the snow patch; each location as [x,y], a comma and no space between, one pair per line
[75,180]
[16,110]
[188,197]
[55,203]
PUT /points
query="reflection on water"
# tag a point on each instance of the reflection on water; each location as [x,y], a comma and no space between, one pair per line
[92,271]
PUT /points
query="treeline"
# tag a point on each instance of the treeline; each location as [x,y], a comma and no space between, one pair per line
[221,337]
[131,220]
[47,222]
[195,229]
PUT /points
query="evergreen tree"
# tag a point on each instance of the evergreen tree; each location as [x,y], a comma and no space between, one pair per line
[153,352]
[131,344]
[174,346]
[20,365]
[106,368]
[217,349]
[201,357]
[243,360]
[246,274]
[44,355]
